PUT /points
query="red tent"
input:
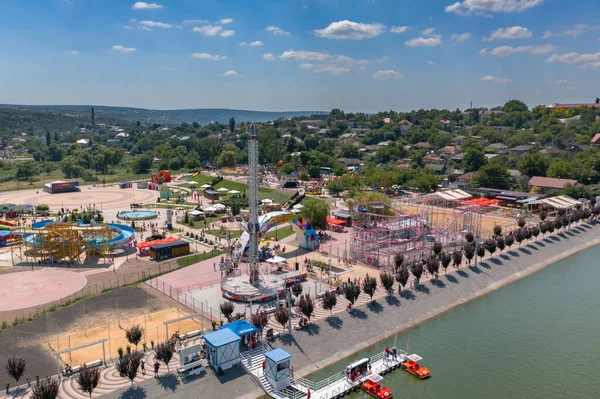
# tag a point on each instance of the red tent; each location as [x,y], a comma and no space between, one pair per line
[148,244]
[335,221]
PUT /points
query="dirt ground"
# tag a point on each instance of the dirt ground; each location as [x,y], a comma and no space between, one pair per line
[444,216]
[153,324]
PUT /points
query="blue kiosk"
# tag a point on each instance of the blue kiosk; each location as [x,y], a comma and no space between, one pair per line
[277,368]
[222,349]
[242,328]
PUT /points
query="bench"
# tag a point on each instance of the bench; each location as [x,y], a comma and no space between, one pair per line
[77,369]
[74,370]
[194,368]
[322,294]
[94,363]
[192,334]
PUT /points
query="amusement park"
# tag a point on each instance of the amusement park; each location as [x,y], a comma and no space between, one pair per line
[231,262]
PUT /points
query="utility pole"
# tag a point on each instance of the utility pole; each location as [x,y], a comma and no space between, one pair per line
[476,248]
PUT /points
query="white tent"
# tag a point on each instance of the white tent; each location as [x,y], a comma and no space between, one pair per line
[276,259]
[206,186]
[267,201]
[219,206]
[298,206]
[196,212]
[234,192]
[296,210]
[222,189]
[210,209]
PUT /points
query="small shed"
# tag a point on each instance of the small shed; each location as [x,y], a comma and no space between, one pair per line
[169,250]
[142,184]
[223,349]
[212,195]
[277,368]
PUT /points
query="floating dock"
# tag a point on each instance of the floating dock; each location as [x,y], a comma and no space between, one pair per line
[333,387]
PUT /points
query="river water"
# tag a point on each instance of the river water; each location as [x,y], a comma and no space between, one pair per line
[536,338]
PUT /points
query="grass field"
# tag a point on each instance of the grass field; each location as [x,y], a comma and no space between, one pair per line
[263,192]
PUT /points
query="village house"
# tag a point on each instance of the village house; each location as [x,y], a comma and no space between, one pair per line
[549,183]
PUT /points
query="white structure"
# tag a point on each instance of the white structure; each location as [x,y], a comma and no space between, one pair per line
[223,349]
[277,368]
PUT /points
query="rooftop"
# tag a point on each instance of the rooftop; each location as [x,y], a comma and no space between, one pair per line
[550,182]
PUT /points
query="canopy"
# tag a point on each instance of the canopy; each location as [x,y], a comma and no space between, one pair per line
[240,327]
[234,192]
[276,259]
[223,189]
[219,206]
[335,221]
[196,212]
[295,211]
[298,206]
[148,244]
[267,201]
[206,186]
[210,209]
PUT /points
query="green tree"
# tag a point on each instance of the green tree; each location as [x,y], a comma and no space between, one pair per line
[493,175]
[231,125]
[329,301]
[473,156]
[515,106]
[561,169]
[316,213]
[349,151]
[48,138]
[27,169]
[45,388]
[88,379]
[143,163]
[533,164]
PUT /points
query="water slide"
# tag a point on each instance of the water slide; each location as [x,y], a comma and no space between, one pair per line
[124,234]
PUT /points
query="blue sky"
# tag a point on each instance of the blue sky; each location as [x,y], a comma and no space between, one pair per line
[358,55]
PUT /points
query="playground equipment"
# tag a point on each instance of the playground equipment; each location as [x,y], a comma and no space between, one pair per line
[48,241]
[137,215]
[313,189]
[164,176]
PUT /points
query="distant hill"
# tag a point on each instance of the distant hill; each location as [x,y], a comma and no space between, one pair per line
[202,116]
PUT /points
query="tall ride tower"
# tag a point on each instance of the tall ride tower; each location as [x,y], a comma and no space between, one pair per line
[253,226]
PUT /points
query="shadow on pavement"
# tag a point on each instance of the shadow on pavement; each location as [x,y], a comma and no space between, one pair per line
[462,273]
[231,374]
[168,382]
[375,307]
[313,329]
[525,251]
[422,288]
[334,322]
[134,393]
[452,279]
[359,314]
[496,262]
[391,300]
[438,283]
[408,294]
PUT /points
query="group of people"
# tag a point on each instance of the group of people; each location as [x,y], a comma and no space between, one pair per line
[390,354]
[251,340]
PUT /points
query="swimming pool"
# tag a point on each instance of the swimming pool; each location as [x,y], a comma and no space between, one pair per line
[137,215]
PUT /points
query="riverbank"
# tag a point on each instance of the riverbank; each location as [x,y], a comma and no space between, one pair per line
[343,335]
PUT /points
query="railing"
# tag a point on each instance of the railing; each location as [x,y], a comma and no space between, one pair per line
[290,393]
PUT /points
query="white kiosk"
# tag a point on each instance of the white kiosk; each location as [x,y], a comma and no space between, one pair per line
[277,368]
[223,349]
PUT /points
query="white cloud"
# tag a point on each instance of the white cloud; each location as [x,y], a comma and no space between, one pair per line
[428,32]
[142,27]
[122,49]
[513,32]
[256,43]
[398,29]
[276,31]
[547,35]
[207,56]
[578,30]
[225,21]
[140,5]
[461,37]
[304,55]
[504,51]
[231,73]
[208,30]
[128,27]
[166,68]
[133,20]
[195,21]
[559,82]
[571,88]
[483,51]
[326,68]
[350,30]
[305,6]
[487,7]
[388,74]
[153,24]
[431,62]
[494,79]
[74,52]
[432,41]
[587,61]
[268,57]
[227,33]
[539,92]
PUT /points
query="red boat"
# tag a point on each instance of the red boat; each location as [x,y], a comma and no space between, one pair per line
[412,366]
[373,388]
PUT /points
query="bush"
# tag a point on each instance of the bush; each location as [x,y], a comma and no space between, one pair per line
[47,388]
[227,309]
[89,378]
[134,335]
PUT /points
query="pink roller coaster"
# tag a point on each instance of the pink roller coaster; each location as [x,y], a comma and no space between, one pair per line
[380,231]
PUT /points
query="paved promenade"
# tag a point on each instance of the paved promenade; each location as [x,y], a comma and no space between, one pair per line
[331,339]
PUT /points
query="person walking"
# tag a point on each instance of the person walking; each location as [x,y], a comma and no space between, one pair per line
[143,366]
[156,367]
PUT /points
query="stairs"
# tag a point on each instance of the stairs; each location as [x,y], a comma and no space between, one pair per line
[252,362]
